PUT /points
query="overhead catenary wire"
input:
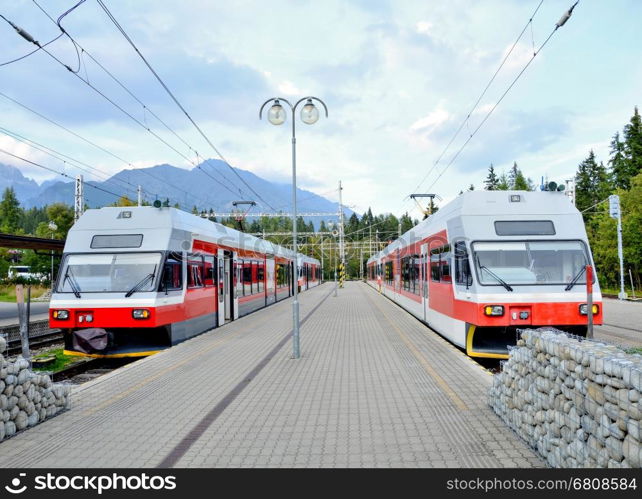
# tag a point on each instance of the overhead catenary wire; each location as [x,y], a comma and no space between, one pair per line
[177,102]
[52,170]
[93,144]
[146,108]
[481,96]
[558,25]
[133,118]
[66,159]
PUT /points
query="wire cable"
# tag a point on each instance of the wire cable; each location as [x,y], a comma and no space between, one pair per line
[176,101]
[456,155]
[93,144]
[57,172]
[481,96]
[116,105]
[102,176]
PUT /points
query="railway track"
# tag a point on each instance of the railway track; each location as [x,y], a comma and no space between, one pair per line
[90,369]
[37,342]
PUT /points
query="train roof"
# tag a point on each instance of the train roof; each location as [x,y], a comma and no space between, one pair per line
[491,204]
[162,229]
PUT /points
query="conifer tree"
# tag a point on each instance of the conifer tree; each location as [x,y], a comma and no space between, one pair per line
[10,212]
[502,182]
[492,181]
[591,184]
[617,163]
[633,147]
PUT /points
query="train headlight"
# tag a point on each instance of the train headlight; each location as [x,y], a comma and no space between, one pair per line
[141,313]
[61,315]
[584,309]
[494,310]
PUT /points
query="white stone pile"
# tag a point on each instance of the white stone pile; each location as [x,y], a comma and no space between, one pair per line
[576,401]
[27,398]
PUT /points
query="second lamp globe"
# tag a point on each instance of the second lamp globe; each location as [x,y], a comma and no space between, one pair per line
[309,113]
[276,114]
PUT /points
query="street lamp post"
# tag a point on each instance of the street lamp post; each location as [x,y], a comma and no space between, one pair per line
[53,228]
[277,116]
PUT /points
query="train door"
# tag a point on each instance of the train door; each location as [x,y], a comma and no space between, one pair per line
[425,269]
[238,276]
[306,275]
[294,279]
[223,288]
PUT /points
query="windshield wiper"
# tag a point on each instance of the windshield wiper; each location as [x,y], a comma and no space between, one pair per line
[575,279]
[141,283]
[72,282]
[497,278]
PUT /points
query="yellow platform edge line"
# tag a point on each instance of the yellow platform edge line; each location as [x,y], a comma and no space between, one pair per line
[443,384]
[71,353]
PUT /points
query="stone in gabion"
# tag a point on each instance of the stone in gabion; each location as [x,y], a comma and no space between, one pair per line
[26,398]
[576,401]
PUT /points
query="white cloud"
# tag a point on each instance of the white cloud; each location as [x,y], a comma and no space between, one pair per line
[288,88]
[424,27]
[431,122]
[397,78]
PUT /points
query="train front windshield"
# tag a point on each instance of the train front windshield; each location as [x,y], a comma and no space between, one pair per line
[109,272]
[530,262]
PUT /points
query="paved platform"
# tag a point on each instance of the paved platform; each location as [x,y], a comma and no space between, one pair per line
[622,323]
[374,388]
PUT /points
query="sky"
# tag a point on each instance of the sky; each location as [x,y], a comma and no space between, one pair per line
[399,78]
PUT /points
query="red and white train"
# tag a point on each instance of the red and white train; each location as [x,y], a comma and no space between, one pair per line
[488,263]
[136,280]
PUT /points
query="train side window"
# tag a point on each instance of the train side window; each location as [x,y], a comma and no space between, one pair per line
[416,286]
[172,278]
[462,265]
[388,273]
[209,277]
[435,273]
[247,277]
[445,265]
[260,275]
[195,271]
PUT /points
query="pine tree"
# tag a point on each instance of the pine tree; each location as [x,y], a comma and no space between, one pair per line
[492,181]
[471,187]
[521,183]
[591,184]
[618,163]
[10,212]
[512,175]
[502,182]
[633,147]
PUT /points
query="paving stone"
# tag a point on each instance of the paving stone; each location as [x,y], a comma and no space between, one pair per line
[358,397]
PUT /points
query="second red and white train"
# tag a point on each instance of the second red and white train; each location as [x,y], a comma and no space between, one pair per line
[489,263]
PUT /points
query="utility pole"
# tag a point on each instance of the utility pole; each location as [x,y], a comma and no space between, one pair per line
[79,202]
[139,191]
[342,264]
[322,259]
[399,229]
[570,189]
[616,212]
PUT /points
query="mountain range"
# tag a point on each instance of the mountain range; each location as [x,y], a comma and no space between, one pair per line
[217,189]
